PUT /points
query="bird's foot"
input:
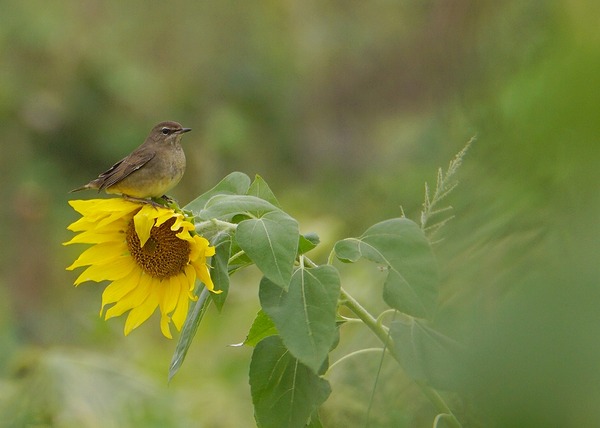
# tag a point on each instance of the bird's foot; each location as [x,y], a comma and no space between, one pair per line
[143,201]
[167,201]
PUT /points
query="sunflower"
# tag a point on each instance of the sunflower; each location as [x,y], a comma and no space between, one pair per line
[151,255]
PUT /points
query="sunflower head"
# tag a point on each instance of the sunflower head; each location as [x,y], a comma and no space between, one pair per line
[151,256]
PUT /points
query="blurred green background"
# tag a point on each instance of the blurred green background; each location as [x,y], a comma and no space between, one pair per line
[345,108]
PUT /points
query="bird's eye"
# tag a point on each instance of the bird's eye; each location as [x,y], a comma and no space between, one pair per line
[165,131]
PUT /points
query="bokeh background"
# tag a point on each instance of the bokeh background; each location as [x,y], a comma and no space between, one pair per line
[346,108]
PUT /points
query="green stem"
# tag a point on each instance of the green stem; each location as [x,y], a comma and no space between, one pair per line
[220,224]
[370,321]
[384,313]
[330,258]
[440,405]
[354,354]
[235,256]
[382,333]
[308,261]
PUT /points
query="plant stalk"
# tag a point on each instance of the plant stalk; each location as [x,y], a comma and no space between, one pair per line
[382,333]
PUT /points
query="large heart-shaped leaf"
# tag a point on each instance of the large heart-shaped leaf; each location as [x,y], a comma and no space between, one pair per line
[426,354]
[227,206]
[262,327]
[285,392]
[261,189]
[236,183]
[411,285]
[271,241]
[305,315]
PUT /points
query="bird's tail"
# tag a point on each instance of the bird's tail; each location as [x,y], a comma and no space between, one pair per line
[85,187]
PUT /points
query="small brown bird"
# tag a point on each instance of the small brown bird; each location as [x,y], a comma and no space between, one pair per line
[149,171]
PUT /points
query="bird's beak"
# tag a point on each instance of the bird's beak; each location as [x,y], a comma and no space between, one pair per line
[184,130]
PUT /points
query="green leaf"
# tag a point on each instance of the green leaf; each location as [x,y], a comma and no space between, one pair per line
[271,242]
[261,189]
[219,271]
[238,259]
[307,242]
[444,420]
[425,354]
[262,327]
[194,317]
[285,393]
[227,206]
[411,285]
[315,421]
[305,315]
[236,183]
[269,237]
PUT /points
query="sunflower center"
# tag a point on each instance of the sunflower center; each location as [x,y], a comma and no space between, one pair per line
[164,254]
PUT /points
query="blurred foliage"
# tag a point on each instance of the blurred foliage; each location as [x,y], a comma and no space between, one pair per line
[346,108]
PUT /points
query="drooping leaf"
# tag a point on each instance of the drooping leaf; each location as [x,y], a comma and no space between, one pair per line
[411,285]
[219,271]
[285,393]
[194,317]
[307,242]
[305,315]
[271,242]
[315,420]
[426,354]
[236,183]
[262,327]
[261,189]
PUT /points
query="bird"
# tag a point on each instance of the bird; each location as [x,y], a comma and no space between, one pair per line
[151,170]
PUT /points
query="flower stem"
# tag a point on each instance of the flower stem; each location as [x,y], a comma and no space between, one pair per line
[382,333]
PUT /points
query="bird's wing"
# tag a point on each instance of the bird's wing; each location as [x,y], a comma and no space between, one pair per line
[123,168]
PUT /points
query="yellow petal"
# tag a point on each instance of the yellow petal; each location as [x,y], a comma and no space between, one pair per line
[117,269]
[165,322]
[120,288]
[143,222]
[117,216]
[201,248]
[184,234]
[204,275]
[180,222]
[182,306]
[189,281]
[84,223]
[166,214]
[134,298]
[83,207]
[99,254]
[169,294]
[99,208]
[97,237]
[190,277]
[141,313]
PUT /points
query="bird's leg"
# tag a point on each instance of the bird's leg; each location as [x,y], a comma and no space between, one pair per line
[167,201]
[143,201]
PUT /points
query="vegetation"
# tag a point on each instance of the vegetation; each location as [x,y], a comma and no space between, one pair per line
[345,110]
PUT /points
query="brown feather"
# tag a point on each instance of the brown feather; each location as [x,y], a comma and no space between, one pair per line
[123,168]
